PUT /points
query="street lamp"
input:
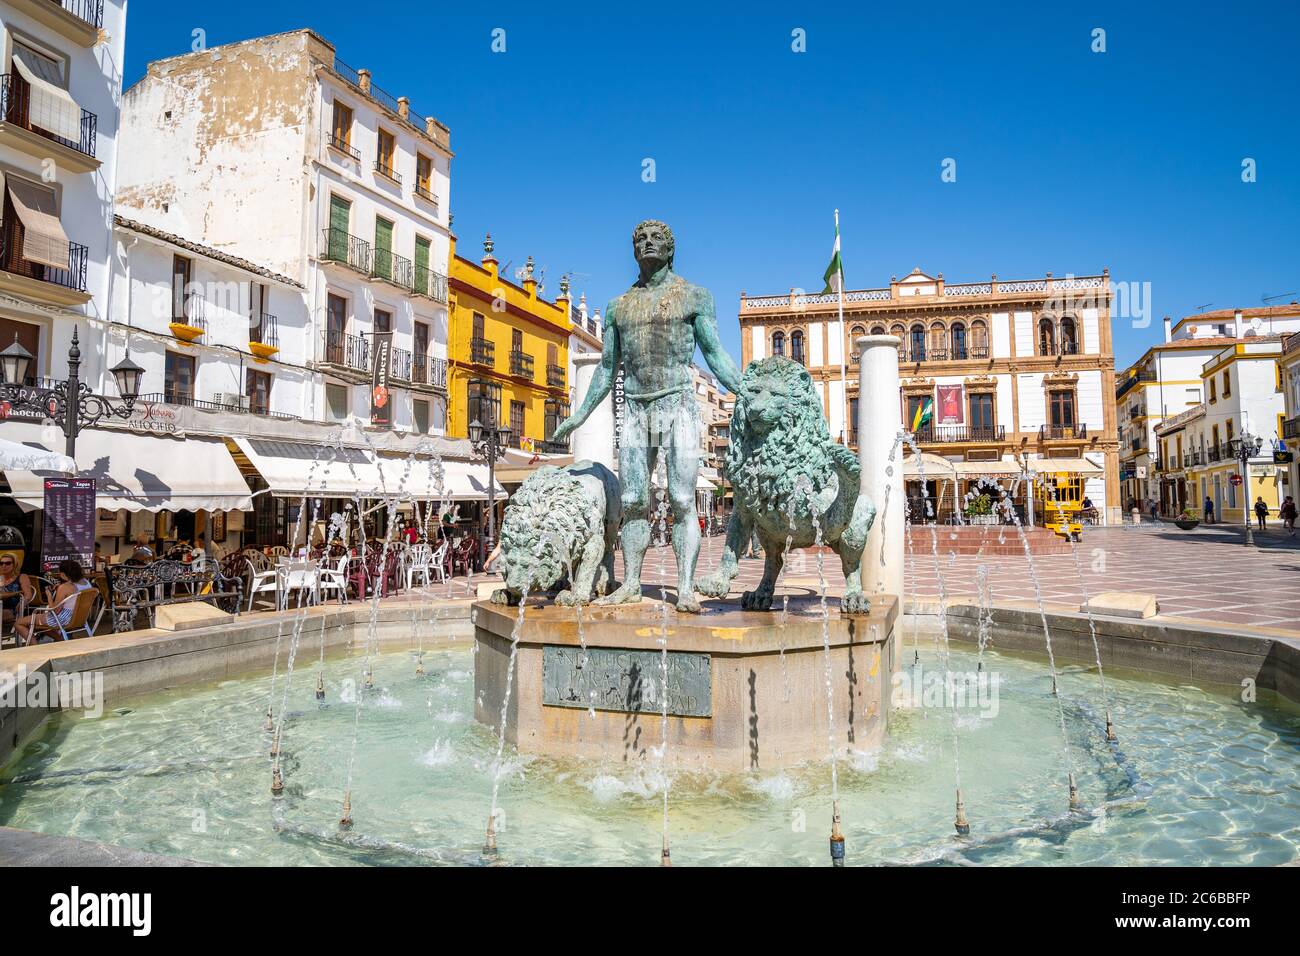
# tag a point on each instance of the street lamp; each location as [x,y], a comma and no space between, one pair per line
[1245,448]
[490,443]
[70,402]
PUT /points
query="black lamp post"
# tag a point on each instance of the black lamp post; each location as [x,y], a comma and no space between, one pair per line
[70,402]
[491,444]
[1246,447]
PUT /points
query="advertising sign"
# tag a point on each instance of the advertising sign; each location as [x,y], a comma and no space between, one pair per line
[381,404]
[68,530]
[951,406]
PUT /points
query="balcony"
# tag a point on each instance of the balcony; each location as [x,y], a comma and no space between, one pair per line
[427,370]
[246,407]
[383,169]
[1191,459]
[344,147]
[482,351]
[548,447]
[1291,427]
[954,434]
[78,20]
[346,351]
[424,192]
[1291,343]
[430,284]
[521,364]
[189,320]
[263,335]
[390,267]
[1062,432]
[1133,380]
[21,130]
[1068,348]
[555,376]
[339,246]
[62,286]
[402,365]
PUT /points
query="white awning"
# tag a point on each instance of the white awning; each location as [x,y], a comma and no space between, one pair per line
[44,240]
[17,457]
[935,466]
[138,472]
[1069,466]
[295,469]
[51,107]
[975,469]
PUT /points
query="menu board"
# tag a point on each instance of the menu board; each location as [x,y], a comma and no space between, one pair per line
[68,530]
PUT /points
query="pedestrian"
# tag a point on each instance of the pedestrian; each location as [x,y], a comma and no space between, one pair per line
[1209,510]
[1261,511]
[1152,507]
[1288,514]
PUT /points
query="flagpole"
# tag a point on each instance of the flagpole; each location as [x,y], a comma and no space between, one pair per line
[845,344]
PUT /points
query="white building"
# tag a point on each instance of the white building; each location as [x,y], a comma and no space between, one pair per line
[275,151]
[58,159]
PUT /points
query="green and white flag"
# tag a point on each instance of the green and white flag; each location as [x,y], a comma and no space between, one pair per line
[834,277]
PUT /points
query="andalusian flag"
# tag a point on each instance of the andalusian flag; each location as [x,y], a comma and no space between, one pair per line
[834,277]
[924,414]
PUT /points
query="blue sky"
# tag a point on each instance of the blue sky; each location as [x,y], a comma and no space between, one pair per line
[1066,160]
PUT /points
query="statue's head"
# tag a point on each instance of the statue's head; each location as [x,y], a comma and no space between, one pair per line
[653,243]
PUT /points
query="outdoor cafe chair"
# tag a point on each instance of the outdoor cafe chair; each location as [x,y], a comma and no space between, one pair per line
[335,578]
[262,580]
[82,603]
[297,576]
[419,564]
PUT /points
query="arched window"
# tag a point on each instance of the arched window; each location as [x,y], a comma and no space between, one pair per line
[938,348]
[778,343]
[878,330]
[1046,337]
[1069,337]
[958,336]
[979,339]
[855,333]
[917,343]
[796,346]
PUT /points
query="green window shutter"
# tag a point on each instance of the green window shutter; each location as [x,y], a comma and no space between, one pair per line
[340,210]
[422,266]
[383,248]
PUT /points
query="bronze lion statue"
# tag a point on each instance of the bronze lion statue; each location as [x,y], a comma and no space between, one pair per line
[789,479]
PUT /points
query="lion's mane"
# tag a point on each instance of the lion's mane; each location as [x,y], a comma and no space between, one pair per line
[764,468]
[547,523]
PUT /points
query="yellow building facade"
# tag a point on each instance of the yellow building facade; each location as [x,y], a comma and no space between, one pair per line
[507,353]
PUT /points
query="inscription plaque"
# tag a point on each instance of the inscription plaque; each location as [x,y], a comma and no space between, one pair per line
[627,681]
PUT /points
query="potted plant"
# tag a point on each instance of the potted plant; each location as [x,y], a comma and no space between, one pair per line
[1187,519]
[979,511]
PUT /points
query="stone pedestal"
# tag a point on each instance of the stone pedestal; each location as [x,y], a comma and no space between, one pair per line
[879,421]
[744,692]
[594,439]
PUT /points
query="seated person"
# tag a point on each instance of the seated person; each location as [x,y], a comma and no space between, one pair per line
[15,587]
[60,612]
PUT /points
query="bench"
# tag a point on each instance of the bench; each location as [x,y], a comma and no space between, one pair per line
[145,587]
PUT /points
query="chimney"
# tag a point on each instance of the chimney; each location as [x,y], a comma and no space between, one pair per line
[1237,330]
[363,80]
[1169,329]
[404,107]
[430,128]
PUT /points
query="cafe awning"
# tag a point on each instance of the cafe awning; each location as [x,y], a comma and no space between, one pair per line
[18,457]
[1069,466]
[977,469]
[294,469]
[138,472]
[935,466]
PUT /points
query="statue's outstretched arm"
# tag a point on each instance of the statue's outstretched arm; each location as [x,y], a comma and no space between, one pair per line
[601,382]
[706,337]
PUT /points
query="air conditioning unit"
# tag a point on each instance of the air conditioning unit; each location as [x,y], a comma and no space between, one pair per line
[231,400]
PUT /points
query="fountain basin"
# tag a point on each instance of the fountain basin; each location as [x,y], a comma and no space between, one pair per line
[745,691]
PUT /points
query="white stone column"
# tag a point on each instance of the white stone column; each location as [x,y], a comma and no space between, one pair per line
[879,420]
[594,441]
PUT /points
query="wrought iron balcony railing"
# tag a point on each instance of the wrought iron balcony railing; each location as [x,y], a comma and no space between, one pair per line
[384,169]
[347,351]
[941,434]
[351,251]
[430,284]
[264,329]
[428,370]
[387,265]
[482,351]
[1056,432]
[16,108]
[175,396]
[401,368]
[13,242]
[555,376]
[87,11]
[425,193]
[190,309]
[521,363]
[1291,427]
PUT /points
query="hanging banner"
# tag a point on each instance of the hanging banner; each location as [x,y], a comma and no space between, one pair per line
[68,529]
[381,404]
[952,407]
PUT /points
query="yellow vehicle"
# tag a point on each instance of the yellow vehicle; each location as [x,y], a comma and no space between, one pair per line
[1059,498]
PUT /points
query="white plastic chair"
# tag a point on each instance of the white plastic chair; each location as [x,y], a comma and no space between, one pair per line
[335,579]
[418,562]
[262,580]
[297,575]
[437,564]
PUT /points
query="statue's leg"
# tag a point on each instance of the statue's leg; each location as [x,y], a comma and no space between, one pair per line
[584,574]
[739,531]
[635,459]
[854,601]
[683,468]
[605,574]
[760,599]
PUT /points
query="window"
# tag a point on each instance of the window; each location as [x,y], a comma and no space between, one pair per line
[1229,428]
[1069,340]
[1227,384]
[423,252]
[478,325]
[1061,403]
[914,405]
[855,333]
[483,402]
[336,328]
[39,99]
[420,412]
[796,346]
[383,266]
[178,379]
[257,386]
[420,360]
[341,132]
[853,421]
[1214,390]
[958,340]
[383,320]
[979,339]
[938,344]
[517,422]
[182,270]
[258,313]
[420,337]
[387,163]
[516,340]
[778,343]
[1046,337]
[336,398]
[981,412]
[556,412]
[918,343]
[34,243]
[336,241]
[424,177]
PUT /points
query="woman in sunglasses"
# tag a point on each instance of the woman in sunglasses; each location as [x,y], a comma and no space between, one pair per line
[60,611]
[15,587]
